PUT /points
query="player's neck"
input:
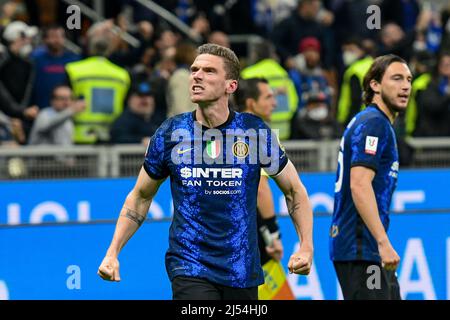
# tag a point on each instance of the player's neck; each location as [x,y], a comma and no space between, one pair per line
[212,115]
[385,109]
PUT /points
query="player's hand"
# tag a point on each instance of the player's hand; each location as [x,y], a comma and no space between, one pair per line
[276,250]
[389,257]
[109,269]
[301,261]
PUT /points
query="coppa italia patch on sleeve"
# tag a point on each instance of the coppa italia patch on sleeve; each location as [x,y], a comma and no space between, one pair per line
[371,145]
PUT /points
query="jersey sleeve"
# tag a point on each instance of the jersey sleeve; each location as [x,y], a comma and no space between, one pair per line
[368,141]
[154,162]
[273,157]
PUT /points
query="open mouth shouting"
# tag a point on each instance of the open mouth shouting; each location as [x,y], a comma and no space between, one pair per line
[197,89]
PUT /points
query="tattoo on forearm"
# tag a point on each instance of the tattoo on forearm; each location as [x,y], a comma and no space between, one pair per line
[133,216]
[293,207]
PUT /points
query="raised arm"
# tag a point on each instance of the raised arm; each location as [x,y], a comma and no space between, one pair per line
[132,215]
[300,211]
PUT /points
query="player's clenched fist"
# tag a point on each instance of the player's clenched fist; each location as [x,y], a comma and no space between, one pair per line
[109,269]
[389,257]
[301,261]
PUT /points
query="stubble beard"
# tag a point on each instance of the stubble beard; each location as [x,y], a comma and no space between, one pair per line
[392,106]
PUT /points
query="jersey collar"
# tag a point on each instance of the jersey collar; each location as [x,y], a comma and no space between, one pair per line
[231,115]
[380,111]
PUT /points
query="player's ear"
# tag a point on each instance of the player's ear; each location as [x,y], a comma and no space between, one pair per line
[231,86]
[375,86]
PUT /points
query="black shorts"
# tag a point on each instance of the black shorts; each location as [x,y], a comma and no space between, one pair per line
[359,280]
[184,288]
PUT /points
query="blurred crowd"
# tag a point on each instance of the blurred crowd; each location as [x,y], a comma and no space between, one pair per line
[313,53]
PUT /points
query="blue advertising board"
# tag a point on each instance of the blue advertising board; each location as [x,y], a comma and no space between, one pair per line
[99,199]
[60,261]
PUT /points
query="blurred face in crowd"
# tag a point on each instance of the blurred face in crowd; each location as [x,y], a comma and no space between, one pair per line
[208,81]
[350,53]
[395,86]
[22,46]
[62,98]
[317,110]
[142,104]
[312,58]
[201,25]
[309,9]
[166,40]
[219,38]
[265,104]
[54,40]
[444,66]
[391,34]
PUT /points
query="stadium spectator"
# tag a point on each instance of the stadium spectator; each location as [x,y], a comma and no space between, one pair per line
[166,41]
[16,74]
[101,83]
[178,97]
[7,13]
[422,65]
[213,251]
[159,88]
[156,70]
[315,120]
[366,179]
[220,38]
[200,27]
[125,54]
[303,22]
[266,66]
[136,123]
[54,125]
[433,103]
[358,63]
[49,63]
[308,74]
[396,41]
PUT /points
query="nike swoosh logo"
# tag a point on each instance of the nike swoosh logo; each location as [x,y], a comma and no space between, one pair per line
[180,151]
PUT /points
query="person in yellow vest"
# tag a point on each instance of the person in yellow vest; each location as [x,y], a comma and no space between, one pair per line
[284,89]
[358,63]
[255,96]
[102,84]
[423,64]
[430,116]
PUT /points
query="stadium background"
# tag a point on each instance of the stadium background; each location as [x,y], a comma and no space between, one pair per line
[56,222]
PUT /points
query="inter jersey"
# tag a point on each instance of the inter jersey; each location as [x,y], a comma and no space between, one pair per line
[369,141]
[214,176]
